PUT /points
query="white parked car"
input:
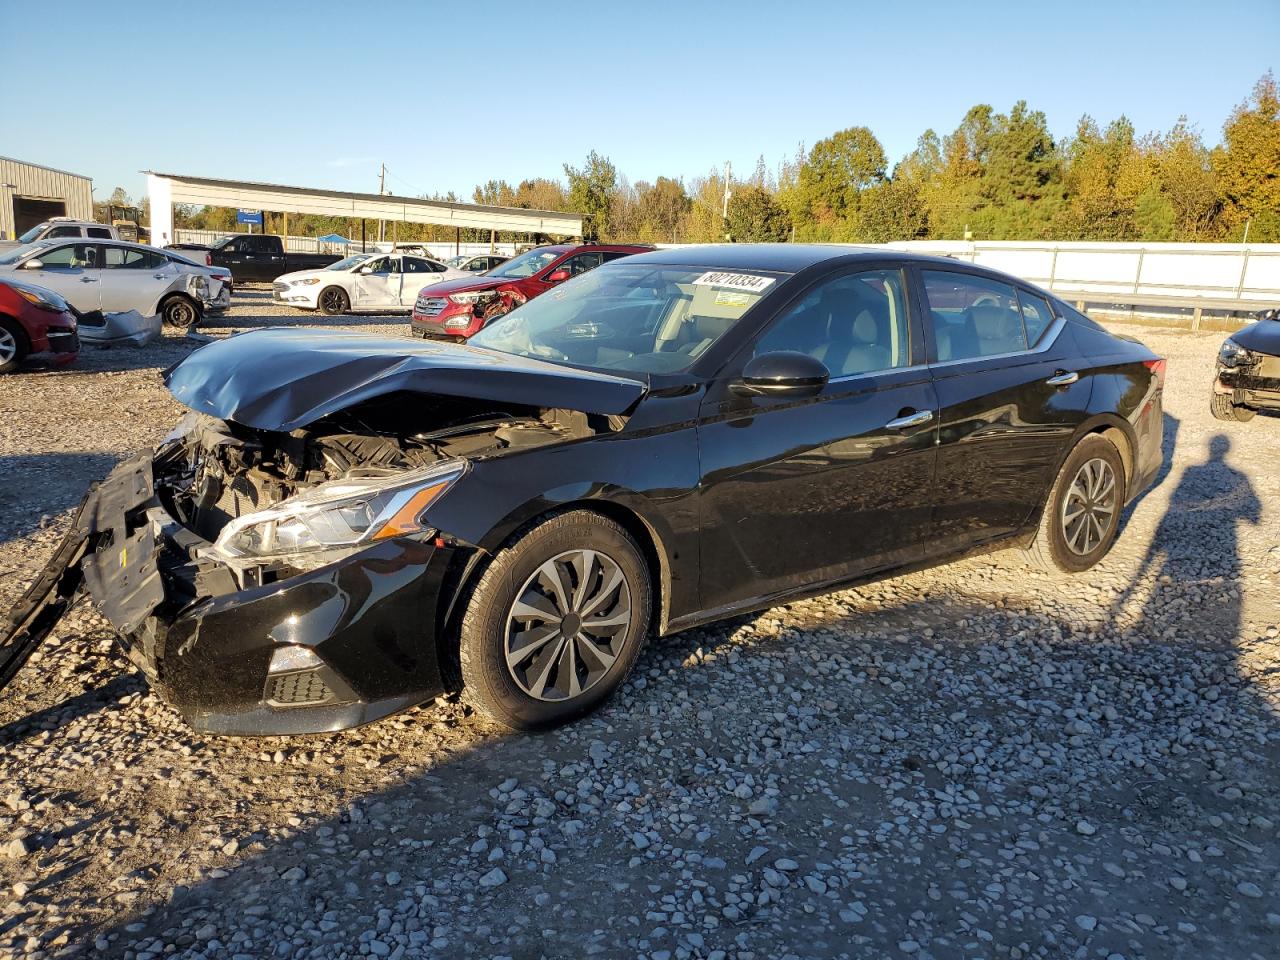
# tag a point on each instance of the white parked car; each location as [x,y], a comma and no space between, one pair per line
[384,282]
[114,277]
[62,228]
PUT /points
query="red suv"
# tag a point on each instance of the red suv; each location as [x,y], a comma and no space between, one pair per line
[34,320]
[457,309]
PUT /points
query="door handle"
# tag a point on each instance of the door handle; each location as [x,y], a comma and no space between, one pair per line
[88,279]
[1063,378]
[910,420]
[158,276]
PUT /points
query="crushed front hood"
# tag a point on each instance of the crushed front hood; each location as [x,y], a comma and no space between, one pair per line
[287,378]
[1262,336]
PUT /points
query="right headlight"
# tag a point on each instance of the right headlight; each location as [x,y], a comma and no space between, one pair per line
[464,298]
[339,515]
[1231,354]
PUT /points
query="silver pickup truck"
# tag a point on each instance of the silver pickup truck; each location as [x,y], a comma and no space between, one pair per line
[60,228]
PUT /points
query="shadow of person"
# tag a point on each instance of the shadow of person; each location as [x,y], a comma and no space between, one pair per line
[1198,541]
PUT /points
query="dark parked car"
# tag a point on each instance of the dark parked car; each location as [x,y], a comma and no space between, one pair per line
[458,309]
[352,524]
[35,322]
[1247,375]
[257,257]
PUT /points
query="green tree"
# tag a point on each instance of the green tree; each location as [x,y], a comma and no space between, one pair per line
[1188,182]
[663,210]
[893,210]
[1248,165]
[591,191]
[833,177]
[755,217]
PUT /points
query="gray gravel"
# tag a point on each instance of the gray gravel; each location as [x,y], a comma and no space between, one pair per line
[975,761]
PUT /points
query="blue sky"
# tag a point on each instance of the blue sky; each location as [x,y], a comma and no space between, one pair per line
[453,94]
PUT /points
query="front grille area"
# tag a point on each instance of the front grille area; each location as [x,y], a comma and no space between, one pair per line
[279,288]
[429,306]
[294,689]
[63,341]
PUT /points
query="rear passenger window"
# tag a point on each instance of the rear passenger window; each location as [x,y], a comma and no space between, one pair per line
[124,258]
[973,317]
[854,324]
[62,232]
[99,233]
[1036,316]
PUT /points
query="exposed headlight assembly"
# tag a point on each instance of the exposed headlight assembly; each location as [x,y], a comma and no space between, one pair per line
[1232,354]
[338,516]
[464,298]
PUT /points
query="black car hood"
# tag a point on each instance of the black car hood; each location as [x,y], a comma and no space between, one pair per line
[1260,337]
[284,379]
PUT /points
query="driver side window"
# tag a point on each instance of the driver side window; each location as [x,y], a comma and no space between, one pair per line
[74,256]
[856,323]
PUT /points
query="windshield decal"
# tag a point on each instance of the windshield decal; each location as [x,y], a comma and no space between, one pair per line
[736,281]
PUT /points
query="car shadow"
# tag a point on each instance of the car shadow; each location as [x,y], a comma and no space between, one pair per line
[808,704]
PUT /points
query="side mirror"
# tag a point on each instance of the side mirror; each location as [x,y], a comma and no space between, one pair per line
[364,271]
[35,263]
[782,374]
[558,276]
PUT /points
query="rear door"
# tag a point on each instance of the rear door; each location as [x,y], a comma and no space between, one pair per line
[135,279]
[1010,398]
[72,270]
[807,491]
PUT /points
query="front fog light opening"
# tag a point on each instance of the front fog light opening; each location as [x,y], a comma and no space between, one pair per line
[293,657]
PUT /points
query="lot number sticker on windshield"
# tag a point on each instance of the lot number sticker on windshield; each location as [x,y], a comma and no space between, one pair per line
[736,281]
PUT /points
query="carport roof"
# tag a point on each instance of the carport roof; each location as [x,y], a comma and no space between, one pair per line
[277,197]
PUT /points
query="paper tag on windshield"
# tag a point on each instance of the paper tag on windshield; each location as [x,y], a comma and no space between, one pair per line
[735,281]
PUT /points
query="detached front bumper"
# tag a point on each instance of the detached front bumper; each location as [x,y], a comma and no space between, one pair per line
[1253,385]
[334,648]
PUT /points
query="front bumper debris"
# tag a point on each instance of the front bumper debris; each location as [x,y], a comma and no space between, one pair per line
[1253,385]
[326,650]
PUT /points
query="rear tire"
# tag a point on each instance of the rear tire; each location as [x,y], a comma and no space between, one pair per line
[1222,407]
[520,665]
[333,301]
[181,312]
[1082,515]
[14,345]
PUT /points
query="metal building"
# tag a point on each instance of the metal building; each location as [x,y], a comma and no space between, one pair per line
[30,193]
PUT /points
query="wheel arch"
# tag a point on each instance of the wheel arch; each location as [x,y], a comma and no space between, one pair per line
[177,295]
[469,566]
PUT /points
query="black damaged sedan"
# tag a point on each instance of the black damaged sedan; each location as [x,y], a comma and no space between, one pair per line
[1247,375]
[346,525]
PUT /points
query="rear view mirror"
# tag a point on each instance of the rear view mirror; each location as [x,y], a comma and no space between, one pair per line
[557,276]
[35,263]
[785,373]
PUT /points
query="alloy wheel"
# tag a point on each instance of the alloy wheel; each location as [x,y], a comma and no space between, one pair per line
[331,300]
[8,346]
[567,625]
[1089,508]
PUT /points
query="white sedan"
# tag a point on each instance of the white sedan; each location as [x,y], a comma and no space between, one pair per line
[362,282]
[115,276]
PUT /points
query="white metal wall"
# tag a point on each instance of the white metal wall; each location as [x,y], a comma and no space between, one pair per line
[19,179]
[1209,271]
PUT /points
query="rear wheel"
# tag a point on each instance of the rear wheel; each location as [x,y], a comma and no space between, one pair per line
[180,311]
[1222,407]
[13,345]
[333,301]
[556,622]
[1082,516]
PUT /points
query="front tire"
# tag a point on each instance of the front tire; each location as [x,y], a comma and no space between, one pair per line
[1082,516]
[1222,407]
[556,622]
[333,301]
[179,311]
[13,345]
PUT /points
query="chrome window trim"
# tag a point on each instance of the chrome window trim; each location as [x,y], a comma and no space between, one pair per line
[877,373]
[1046,341]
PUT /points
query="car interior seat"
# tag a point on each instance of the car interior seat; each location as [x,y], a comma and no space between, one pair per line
[856,333]
[706,330]
[998,329]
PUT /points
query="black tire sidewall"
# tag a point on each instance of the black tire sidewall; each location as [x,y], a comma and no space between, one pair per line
[176,303]
[23,345]
[483,634]
[1090,448]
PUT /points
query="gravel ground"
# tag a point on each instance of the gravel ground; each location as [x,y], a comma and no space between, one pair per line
[975,761]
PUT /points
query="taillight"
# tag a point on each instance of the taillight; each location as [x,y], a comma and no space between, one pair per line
[208,259]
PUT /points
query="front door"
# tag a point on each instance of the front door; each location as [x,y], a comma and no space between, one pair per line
[378,284]
[1003,367]
[72,270]
[417,273]
[810,491]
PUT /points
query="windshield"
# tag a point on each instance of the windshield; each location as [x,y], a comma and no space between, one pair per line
[526,265]
[222,243]
[629,317]
[349,262]
[456,261]
[33,232]
[13,256]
